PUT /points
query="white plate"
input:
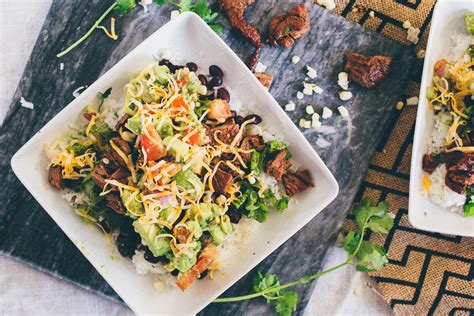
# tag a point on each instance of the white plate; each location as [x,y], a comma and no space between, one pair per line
[448,18]
[190,39]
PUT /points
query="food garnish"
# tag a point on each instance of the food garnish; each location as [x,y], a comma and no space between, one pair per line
[364,255]
[289,26]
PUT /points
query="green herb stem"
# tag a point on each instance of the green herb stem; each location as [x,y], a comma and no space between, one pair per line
[297,282]
[89,32]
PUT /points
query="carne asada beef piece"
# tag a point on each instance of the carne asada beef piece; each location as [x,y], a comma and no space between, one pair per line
[55,177]
[368,71]
[100,174]
[225,133]
[121,122]
[253,59]
[297,182]
[251,142]
[124,147]
[430,163]
[287,27]
[264,78]
[460,170]
[221,180]
[278,166]
[234,9]
[115,203]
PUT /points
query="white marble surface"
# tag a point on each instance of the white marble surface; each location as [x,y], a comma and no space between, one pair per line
[26,291]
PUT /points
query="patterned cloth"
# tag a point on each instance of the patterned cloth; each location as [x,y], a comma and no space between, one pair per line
[428,273]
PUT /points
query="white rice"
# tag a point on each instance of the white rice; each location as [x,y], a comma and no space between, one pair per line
[112,110]
[460,44]
[442,195]
[438,133]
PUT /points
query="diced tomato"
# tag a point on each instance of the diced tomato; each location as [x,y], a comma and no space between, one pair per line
[171,170]
[219,109]
[154,147]
[205,259]
[179,107]
[192,136]
[182,81]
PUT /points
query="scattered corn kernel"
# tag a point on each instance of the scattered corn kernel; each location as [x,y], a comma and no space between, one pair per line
[406,24]
[311,72]
[327,113]
[372,14]
[299,95]
[399,105]
[290,107]
[345,95]
[309,109]
[420,54]
[295,59]
[305,123]
[343,111]
[412,101]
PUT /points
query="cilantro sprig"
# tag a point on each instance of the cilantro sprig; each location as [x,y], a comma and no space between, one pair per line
[364,255]
[200,7]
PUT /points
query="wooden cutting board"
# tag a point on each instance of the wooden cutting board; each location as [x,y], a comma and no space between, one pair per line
[346,145]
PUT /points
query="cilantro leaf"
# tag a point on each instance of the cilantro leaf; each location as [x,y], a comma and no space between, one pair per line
[286,303]
[282,204]
[371,257]
[380,224]
[124,6]
[364,211]
[351,240]
[217,27]
[264,282]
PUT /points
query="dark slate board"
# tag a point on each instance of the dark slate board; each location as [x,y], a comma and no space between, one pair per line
[28,233]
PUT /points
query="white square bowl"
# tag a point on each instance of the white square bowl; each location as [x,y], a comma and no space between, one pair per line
[448,19]
[190,39]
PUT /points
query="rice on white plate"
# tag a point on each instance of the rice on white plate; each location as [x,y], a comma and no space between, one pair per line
[435,187]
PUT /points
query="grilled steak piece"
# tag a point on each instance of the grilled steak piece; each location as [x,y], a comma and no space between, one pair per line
[115,202]
[221,180]
[121,122]
[287,27]
[278,166]
[225,133]
[297,182]
[55,177]
[264,78]
[430,162]
[460,170]
[124,147]
[368,71]
[251,142]
[100,174]
[234,9]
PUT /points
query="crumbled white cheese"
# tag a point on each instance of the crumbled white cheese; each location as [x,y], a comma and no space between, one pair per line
[202,90]
[317,89]
[328,4]
[420,54]
[345,95]
[295,59]
[343,111]
[61,66]
[315,124]
[305,123]
[252,180]
[78,91]
[412,34]
[166,54]
[327,113]
[308,88]
[260,67]
[174,14]
[299,95]
[372,14]
[412,101]
[290,107]
[309,109]
[406,24]
[311,72]
[343,80]
[144,4]
[26,104]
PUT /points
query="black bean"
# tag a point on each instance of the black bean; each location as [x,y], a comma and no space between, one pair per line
[203,79]
[126,246]
[203,275]
[215,71]
[223,94]
[192,66]
[239,120]
[215,82]
[234,215]
[256,118]
[175,272]
[209,96]
[205,239]
[150,257]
